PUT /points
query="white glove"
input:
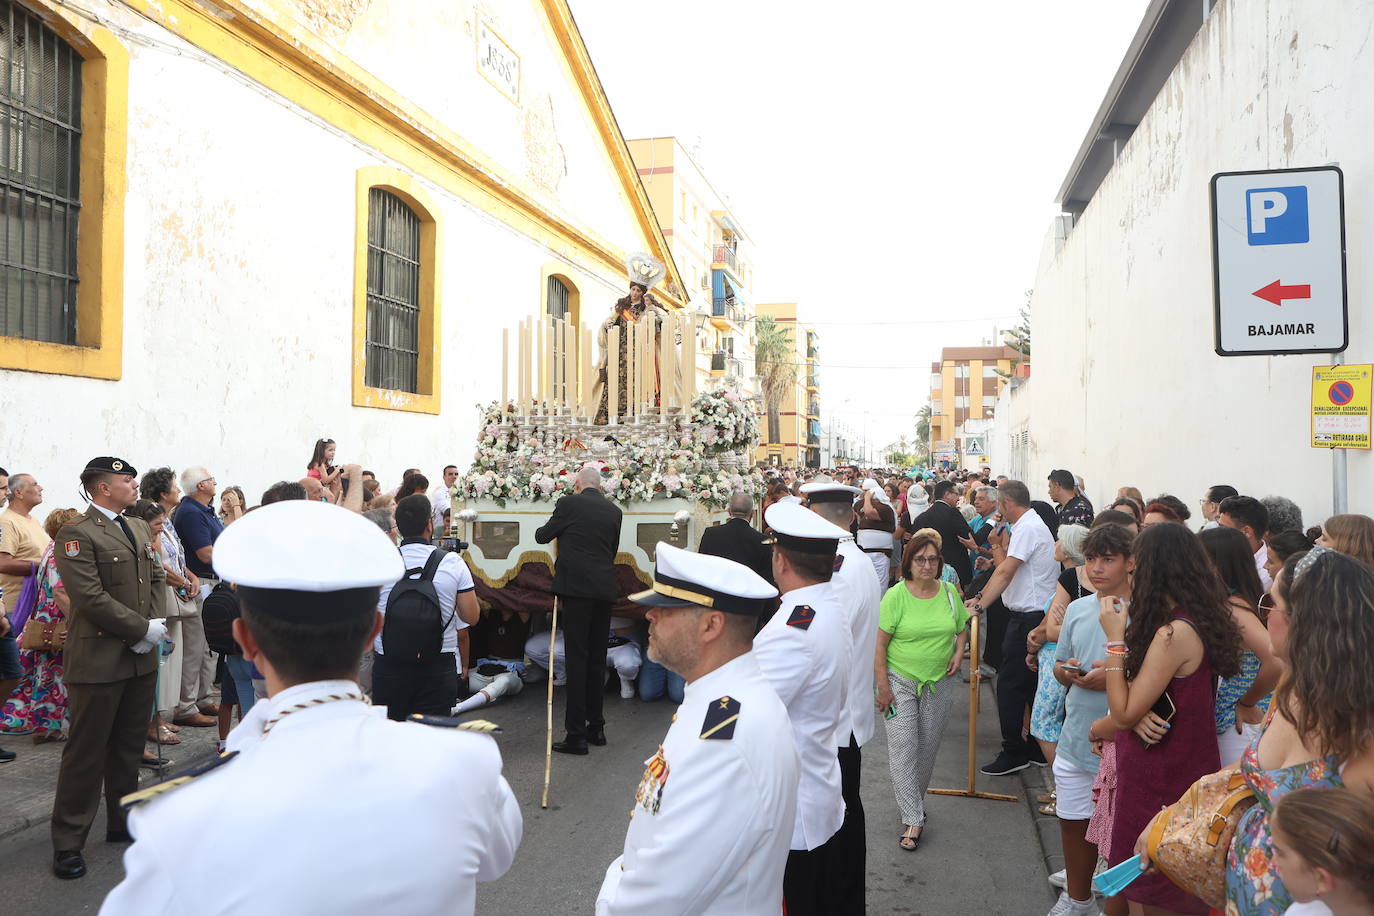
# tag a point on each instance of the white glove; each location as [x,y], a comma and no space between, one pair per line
[157,628]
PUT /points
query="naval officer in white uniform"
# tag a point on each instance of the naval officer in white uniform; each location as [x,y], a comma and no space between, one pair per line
[321,805]
[805,651]
[713,814]
[858,593]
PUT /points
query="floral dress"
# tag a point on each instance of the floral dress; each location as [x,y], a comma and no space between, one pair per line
[39,703]
[1253,887]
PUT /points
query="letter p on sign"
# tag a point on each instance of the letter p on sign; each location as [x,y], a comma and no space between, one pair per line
[1277,216]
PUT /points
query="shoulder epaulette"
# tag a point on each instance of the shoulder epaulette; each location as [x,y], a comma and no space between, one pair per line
[801,617]
[466,725]
[176,782]
[721,717]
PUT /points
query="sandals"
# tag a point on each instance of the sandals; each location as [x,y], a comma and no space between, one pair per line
[1049,810]
[908,841]
[163,735]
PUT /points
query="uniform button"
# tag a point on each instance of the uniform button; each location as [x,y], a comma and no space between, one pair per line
[674,717]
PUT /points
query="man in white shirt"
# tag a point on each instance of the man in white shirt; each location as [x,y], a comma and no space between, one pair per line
[439,498]
[1249,516]
[804,650]
[352,815]
[712,821]
[859,595]
[427,685]
[1025,581]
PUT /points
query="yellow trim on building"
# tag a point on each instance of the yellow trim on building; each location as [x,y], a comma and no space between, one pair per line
[426,400]
[560,270]
[291,61]
[99,348]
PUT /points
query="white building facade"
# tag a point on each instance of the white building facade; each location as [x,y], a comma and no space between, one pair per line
[303,219]
[1127,389]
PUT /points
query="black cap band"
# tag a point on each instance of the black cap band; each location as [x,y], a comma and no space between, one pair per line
[830,496]
[668,591]
[819,546]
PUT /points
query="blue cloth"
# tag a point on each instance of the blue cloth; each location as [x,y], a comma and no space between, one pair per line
[656,680]
[197,526]
[1081,637]
[10,669]
[1047,710]
[240,671]
[1231,689]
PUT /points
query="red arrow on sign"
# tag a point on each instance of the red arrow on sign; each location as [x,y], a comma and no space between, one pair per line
[1276,292]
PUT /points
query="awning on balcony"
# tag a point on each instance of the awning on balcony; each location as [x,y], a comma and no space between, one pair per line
[724,287]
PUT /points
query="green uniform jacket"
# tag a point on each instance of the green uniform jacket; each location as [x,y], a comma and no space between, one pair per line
[115,590]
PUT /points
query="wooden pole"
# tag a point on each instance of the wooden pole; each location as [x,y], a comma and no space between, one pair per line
[971,790]
[548,708]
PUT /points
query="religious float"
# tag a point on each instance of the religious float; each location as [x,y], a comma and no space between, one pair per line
[669,455]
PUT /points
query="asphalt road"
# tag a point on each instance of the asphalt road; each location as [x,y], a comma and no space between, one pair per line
[977,856]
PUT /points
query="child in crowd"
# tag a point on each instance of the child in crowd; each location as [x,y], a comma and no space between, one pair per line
[1324,851]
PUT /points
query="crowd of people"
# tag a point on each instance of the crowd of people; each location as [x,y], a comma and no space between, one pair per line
[1130,654]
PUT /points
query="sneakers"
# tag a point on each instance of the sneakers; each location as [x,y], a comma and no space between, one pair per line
[1060,879]
[1004,765]
[1067,906]
[627,689]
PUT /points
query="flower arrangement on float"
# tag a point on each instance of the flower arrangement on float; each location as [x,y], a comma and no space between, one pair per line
[698,458]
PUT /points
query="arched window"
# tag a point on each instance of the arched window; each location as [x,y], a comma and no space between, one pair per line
[557,298]
[393,293]
[40,136]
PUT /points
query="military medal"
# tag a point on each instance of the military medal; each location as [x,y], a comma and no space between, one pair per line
[650,791]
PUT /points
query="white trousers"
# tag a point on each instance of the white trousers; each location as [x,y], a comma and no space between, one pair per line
[624,659]
[913,740]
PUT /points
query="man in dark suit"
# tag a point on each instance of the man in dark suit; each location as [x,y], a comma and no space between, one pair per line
[117,620]
[587,526]
[738,540]
[946,519]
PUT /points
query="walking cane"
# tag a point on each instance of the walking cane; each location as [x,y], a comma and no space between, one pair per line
[548,718]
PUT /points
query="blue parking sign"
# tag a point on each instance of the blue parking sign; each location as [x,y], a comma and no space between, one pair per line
[1277,216]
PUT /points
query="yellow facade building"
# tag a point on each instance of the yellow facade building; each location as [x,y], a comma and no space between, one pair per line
[964,385]
[711,251]
[792,434]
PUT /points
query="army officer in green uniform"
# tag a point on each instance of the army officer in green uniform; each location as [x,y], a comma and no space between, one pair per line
[117,621]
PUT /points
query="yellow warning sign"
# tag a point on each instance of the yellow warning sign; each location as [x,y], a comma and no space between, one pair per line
[1340,406]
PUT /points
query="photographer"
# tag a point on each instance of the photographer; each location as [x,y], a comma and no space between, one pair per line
[412,679]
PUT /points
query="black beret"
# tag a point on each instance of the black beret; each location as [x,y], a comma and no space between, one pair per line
[111,466]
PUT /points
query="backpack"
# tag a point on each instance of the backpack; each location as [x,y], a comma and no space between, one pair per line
[217,614]
[413,629]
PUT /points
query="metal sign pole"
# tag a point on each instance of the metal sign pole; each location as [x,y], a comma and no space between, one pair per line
[1339,492]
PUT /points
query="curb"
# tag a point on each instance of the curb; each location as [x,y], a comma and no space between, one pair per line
[1034,781]
[12,823]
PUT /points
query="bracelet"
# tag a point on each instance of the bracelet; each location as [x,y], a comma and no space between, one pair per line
[1109,645]
[1117,668]
[1117,653]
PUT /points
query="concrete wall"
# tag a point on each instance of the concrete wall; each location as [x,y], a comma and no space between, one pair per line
[239,282]
[1127,388]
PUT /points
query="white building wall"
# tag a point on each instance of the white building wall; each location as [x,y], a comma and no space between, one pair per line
[1128,390]
[239,297]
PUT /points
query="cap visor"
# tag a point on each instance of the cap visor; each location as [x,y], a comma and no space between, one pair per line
[652,598]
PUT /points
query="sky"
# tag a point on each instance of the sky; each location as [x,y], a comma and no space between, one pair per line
[895,163]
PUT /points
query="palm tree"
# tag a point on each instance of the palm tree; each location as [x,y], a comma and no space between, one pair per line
[775,362]
[923,432]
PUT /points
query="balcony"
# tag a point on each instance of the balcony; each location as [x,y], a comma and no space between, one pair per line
[725,365]
[725,256]
[813,410]
[813,382]
[727,314]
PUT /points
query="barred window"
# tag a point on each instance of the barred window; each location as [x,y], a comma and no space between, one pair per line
[557,298]
[40,135]
[393,293]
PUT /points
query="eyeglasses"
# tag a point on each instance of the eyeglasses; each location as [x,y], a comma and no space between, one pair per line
[925,560]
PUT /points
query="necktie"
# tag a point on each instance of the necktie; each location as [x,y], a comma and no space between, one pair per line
[119,519]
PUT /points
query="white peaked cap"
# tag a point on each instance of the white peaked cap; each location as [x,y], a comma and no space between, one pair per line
[801,529]
[306,546]
[683,578]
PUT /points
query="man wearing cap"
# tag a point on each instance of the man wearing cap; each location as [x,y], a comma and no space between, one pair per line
[710,828]
[115,583]
[860,596]
[805,651]
[363,815]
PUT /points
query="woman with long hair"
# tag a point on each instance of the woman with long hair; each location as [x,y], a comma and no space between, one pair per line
[1161,668]
[322,466]
[1352,535]
[1241,700]
[1321,729]
[1281,546]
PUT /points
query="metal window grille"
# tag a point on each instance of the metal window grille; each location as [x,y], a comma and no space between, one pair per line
[393,293]
[40,135]
[557,298]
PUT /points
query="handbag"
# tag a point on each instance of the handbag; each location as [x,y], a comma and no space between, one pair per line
[1188,841]
[44,635]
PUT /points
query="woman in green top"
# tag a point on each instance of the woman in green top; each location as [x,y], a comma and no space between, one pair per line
[920,648]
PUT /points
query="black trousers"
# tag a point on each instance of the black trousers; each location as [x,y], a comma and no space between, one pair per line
[811,882]
[1016,685]
[853,841]
[995,629]
[104,747]
[586,624]
[406,688]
